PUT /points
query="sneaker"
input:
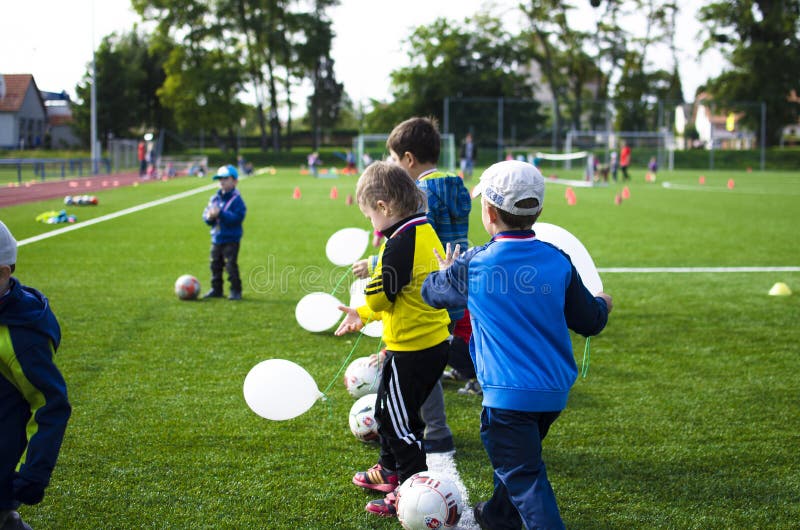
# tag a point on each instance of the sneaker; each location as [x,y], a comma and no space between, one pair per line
[472,388]
[213,294]
[477,511]
[235,295]
[445,445]
[385,507]
[376,478]
[453,375]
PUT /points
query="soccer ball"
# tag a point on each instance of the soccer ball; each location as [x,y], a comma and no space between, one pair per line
[187,287]
[428,500]
[363,424]
[361,377]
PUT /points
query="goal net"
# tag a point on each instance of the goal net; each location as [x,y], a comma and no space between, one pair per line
[644,145]
[171,166]
[371,147]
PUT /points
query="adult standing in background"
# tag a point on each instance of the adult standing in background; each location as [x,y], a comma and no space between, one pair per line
[468,154]
[625,160]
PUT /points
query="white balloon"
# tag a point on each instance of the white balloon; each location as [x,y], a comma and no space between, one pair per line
[570,244]
[346,246]
[278,389]
[357,299]
[318,312]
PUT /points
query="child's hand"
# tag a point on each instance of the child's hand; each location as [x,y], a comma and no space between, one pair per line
[213,212]
[607,298]
[361,269]
[450,256]
[351,323]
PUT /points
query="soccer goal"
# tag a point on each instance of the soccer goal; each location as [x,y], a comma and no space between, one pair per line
[645,144]
[371,147]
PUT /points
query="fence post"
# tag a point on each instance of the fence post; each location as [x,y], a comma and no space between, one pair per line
[19,173]
[763,135]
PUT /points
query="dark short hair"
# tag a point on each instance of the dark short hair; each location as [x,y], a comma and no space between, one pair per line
[388,182]
[523,222]
[418,136]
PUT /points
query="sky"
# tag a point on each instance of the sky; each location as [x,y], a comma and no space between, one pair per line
[53,39]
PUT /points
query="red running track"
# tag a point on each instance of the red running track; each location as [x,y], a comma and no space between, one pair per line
[50,189]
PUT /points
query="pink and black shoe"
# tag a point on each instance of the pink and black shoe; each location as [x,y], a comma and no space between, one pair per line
[385,507]
[376,478]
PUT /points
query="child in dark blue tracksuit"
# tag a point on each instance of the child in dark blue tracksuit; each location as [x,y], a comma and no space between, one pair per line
[523,296]
[224,214]
[34,408]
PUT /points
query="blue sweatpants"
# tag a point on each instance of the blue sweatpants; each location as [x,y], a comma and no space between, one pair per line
[522,492]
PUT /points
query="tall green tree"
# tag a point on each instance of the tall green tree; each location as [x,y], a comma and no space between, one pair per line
[128,74]
[476,58]
[761,41]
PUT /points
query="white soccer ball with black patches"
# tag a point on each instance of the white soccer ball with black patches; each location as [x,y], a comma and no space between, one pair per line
[361,377]
[429,500]
[187,287]
[363,424]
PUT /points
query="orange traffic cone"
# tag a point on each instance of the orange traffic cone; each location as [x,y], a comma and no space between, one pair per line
[296,194]
[702,179]
[626,193]
[349,200]
[334,193]
[731,184]
[617,199]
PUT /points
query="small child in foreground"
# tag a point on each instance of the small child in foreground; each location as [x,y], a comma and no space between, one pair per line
[523,296]
[415,333]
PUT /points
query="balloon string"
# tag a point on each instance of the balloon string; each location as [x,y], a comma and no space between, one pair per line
[585,363]
[336,287]
[347,359]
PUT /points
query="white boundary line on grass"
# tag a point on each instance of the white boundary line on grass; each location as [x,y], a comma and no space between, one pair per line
[445,463]
[719,189]
[695,269]
[114,215]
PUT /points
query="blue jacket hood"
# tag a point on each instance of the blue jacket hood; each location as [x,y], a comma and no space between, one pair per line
[26,307]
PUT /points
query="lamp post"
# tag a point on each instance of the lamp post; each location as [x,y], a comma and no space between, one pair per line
[93,103]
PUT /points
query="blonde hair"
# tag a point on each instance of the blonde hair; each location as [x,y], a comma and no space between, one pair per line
[388,182]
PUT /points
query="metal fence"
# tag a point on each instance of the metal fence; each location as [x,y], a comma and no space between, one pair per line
[704,133]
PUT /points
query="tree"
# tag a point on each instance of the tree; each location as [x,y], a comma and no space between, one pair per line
[761,41]
[476,58]
[127,76]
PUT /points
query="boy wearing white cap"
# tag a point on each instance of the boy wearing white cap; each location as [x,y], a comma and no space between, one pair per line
[34,408]
[523,296]
[224,214]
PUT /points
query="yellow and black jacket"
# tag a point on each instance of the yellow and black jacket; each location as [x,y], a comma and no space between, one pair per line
[393,292]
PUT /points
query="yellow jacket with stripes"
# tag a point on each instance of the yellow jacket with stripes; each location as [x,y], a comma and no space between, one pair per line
[393,291]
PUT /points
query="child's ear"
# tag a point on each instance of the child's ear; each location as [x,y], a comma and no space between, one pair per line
[411,160]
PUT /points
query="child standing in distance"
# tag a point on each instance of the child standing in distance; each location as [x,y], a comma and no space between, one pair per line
[224,214]
[415,333]
[415,145]
[34,408]
[523,296]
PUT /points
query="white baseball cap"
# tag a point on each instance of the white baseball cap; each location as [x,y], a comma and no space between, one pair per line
[8,246]
[506,183]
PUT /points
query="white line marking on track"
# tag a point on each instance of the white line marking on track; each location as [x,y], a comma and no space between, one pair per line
[114,215]
[445,463]
[695,269]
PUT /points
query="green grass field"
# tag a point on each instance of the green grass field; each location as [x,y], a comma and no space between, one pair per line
[689,416]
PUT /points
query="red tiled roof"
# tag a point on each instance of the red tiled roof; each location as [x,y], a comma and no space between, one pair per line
[16,88]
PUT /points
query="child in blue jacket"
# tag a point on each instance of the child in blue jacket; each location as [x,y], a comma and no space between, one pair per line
[523,296]
[224,214]
[34,408]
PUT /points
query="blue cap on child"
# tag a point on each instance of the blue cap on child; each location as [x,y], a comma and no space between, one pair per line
[227,171]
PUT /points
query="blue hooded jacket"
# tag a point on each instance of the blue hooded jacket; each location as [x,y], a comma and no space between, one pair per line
[523,297]
[34,408]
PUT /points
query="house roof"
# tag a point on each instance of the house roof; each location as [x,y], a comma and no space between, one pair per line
[16,88]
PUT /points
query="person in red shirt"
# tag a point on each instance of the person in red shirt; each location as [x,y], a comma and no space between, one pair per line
[625,160]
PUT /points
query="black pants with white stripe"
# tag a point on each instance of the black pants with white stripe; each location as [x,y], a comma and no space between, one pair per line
[406,381]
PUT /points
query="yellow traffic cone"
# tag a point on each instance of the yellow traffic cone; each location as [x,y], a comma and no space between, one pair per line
[780,289]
